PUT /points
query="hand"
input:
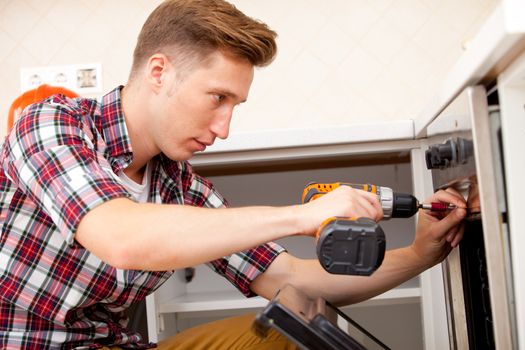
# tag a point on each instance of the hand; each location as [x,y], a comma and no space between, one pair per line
[344,201]
[437,233]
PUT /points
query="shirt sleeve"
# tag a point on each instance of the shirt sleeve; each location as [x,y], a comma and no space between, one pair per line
[52,157]
[241,268]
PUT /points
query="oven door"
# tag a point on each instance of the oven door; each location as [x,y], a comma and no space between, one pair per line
[479,291]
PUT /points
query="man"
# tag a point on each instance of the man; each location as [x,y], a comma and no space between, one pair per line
[99,204]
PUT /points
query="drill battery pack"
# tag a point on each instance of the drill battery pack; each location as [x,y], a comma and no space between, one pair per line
[350,246]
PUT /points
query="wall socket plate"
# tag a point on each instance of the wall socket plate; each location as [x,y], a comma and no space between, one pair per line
[81,78]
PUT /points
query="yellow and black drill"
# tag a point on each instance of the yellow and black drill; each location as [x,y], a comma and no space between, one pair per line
[356,246]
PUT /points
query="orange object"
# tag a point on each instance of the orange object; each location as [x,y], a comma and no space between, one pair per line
[315,190]
[33,96]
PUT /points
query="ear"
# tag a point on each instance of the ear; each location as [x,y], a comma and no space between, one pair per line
[157,70]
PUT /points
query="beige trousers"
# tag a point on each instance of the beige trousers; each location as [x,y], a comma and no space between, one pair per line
[232,333]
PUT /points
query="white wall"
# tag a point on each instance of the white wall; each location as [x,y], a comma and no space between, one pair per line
[340,61]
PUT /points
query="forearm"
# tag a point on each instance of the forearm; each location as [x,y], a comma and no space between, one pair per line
[398,266]
[163,237]
[434,239]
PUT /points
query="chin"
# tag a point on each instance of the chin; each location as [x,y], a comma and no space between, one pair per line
[179,156]
[182,158]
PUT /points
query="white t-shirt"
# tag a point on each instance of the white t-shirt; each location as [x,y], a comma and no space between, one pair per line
[140,192]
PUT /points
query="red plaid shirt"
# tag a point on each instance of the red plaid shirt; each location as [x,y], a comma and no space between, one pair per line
[58,163]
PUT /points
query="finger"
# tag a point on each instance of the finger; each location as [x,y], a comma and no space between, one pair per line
[449,221]
[452,198]
[360,203]
[373,200]
[432,215]
[372,209]
[459,196]
[450,191]
[365,203]
[459,236]
[454,191]
[370,197]
[452,234]
[439,215]
[449,197]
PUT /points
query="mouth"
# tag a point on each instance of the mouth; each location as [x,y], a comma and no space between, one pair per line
[201,145]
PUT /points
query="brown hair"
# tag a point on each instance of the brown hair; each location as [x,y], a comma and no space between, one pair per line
[190,30]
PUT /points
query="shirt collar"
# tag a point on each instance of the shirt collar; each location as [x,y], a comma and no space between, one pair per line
[114,130]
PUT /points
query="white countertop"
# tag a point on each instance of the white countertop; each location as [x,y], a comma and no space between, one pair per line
[283,138]
[503,33]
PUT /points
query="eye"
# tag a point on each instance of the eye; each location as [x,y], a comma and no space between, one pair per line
[218,97]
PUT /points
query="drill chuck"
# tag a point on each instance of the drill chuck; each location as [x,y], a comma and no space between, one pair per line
[395,204]
[386,197]
[404,205]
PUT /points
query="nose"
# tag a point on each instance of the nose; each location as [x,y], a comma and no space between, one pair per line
[221,123]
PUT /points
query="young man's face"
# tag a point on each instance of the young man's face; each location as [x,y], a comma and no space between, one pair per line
[198,109]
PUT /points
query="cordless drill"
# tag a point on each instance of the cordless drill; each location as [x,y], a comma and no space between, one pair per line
[356,246]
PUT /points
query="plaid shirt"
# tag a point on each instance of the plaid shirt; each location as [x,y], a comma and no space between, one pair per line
[57,164]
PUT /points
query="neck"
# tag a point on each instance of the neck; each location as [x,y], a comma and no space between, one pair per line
[136,116]
[136,175]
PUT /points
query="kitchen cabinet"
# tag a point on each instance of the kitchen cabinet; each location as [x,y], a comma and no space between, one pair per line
[279,180]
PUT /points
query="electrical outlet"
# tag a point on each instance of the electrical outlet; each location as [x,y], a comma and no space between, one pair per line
[81,78]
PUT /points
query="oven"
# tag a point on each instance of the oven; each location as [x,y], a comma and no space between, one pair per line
[465,153]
